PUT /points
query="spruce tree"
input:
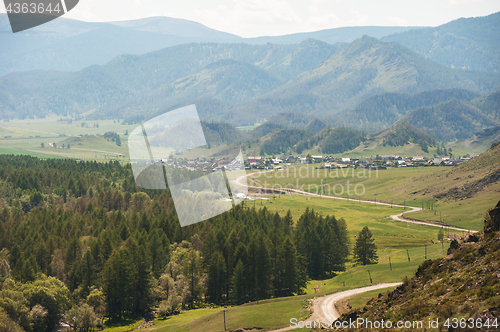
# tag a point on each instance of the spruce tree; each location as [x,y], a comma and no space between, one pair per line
[365,251]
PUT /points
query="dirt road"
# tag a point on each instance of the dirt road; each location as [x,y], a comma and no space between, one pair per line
[397,217]
[324,307]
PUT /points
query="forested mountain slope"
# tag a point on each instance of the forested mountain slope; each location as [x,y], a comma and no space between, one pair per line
[467,43]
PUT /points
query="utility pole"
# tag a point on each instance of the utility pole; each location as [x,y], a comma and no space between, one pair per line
[224,311]
[371,282]
[390,264]
[407,254]
[425,251]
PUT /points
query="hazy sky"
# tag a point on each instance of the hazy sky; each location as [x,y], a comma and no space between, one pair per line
[250,18]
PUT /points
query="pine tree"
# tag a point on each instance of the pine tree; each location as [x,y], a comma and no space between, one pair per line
[193,273]
[118,283]
[365,251]
[216,278]
[141,278]
[238,289]
[289,275]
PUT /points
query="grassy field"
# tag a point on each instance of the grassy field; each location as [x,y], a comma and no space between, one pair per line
[390,185]
[388,233]
[26,137]
[267,314]
[410,186]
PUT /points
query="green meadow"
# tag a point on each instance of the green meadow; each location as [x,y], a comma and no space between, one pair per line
[415,186]
[387,232]
[26,137]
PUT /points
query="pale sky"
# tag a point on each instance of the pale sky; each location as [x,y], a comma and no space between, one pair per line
[251,18]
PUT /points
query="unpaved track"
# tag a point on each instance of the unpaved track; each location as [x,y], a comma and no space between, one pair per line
[396,217]
[324,307]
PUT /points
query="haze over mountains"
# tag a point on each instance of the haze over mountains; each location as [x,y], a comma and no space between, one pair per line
[70,45]
[351,79]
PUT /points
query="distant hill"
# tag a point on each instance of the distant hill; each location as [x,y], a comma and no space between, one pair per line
[332,36]
[70,45]
[401,139]
[381,111]
[466,43]
[451,120]
[134,85]
[404,133]
[243,84]
[327,141]
[364,68]
[480,141]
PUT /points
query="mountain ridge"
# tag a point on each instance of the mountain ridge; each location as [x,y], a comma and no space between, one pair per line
[68,48]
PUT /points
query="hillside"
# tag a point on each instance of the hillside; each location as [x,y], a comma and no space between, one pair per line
[78,44]
[404,133]
[460,194]
[364,68]
[466,43]
[464,284]
[480,141]
[301,141]
[135,85]
[381,111]
[451,120]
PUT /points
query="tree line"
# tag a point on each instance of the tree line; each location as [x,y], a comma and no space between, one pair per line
[82,235]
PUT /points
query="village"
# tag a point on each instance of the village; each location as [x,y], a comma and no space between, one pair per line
[267,163]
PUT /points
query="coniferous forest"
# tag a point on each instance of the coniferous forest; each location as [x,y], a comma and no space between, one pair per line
[80,238]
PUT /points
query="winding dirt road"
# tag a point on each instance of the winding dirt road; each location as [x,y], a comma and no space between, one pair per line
[396,217]
[324,309]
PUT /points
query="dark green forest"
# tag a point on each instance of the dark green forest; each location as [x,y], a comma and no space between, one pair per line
[329,140]
[404,133]
[80,239]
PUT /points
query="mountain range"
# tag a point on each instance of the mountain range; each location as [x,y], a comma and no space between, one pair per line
[471,44]
[70,45]
[367,84]
[237,83]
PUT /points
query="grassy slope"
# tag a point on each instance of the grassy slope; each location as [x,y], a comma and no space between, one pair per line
[267,314]
[388,233]
[24,140]
[413,186]
[464,284]
[465,197]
